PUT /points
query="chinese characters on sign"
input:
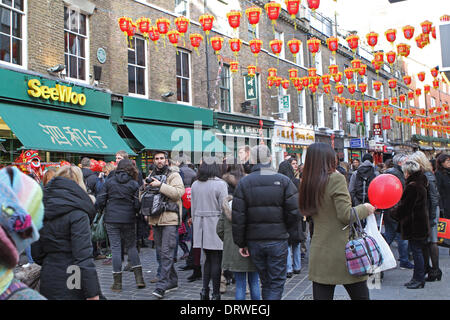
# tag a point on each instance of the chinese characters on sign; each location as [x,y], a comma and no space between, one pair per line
[72,136]
[377,129]
[251,91]
[284,105]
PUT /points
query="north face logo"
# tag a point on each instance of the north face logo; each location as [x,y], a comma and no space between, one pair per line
[277,183]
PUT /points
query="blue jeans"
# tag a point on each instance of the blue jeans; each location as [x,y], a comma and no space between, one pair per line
[126,232]
[241,285]
[419,266]
[269,258]
[391,234]
[294,254]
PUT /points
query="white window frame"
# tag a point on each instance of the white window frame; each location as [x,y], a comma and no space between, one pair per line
[413,129]
[280,36]
[87,48]
[301,103]
[132,94]
[332,59]
[24,27]
[300,59]
[320,112]
[282,92]
[336,116]
[349,114]
[190,77]
[382,91]
[255,35]
[230,88]
[187,15]
[318,62]
[368,124]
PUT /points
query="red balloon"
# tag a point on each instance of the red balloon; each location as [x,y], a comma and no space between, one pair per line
[385,191]
[186,198]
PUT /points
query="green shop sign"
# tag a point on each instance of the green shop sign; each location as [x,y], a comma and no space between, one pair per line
[243,130]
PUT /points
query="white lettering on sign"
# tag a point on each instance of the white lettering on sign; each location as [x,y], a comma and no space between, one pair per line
[69,135]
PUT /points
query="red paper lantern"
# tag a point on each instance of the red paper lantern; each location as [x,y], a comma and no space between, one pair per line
[272,72]
[234,19]
[312,72]
[234,66]
[326,79]
[421,76]
[403,49]
[333,68]
[292,6]
[372,39]
[349,73]
[436,84]
[305,81]
[392,83]
[315,80]
[408,32]
[285,84]
[144,25]
[313,4]
[277,81]
[353,41]
[377,86]
[125,24]
[216,43]
[255,46]
[390,57]
[313,45]
[418,92]
[253,14]
[362,70]
[235,45]
[294,46]
[163,25]
[251,70]
[196,40]
[394,100]
[333,44]
[362,87]
[434,72]
[426,26]
[433,32]
[312,88]
[296,81]
[407,80]
[182,24]
[153,34]
[427,88]
[327,89]
[356,64]
[337,76]
[402,98]
[299,87]
[276,45]
[422,40]
[351,88]
[173,37]
[378,57]
[273,11]
[270,82]
[410,95]
[206,20]
[391,35]
[339,88]
[386,102]
[376,65]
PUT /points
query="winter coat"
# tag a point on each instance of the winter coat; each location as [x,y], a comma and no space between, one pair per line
[265,206]
[188,175]
[119,198]
[173,188]
[285,168]
[231,258]
[90,179]
[443,182]
[352,187]
[327,263]
[412,212]
[65,242]
[433,198]
[206,207]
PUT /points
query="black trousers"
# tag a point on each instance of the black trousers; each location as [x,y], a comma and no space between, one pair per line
[356,291]
[212,269]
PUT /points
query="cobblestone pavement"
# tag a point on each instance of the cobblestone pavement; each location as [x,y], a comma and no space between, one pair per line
[296,288]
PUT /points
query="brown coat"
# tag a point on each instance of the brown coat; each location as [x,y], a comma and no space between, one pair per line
[327,263]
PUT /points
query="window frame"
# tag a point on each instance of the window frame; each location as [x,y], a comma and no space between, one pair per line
[229,89]
[187,15]
[336,124]
[302,107]
[24,34]
[279,35]
[180,52]
[134,94]
[320,111]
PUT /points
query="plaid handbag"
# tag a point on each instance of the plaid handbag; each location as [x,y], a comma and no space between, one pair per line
[361,251]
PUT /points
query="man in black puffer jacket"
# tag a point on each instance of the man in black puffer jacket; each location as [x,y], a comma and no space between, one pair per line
[265,207]
[89,176]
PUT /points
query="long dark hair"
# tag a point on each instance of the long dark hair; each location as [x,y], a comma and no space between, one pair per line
[127,166]
[235,169]
[320,162]
[440,160]
[209,168]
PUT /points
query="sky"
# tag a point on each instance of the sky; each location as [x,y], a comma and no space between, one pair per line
[380,15]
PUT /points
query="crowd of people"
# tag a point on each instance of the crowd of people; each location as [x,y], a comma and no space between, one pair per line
[237,221]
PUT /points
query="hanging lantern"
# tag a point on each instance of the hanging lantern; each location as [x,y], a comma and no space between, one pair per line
[285,84]
[337,77]
[407,80]
[353,42]
[427,88]
[277,81]
[196,40]
[315,80]
[294,46]
[434,72]
[422,40]
[436,84]
[313,46]
[313,4]
[234,66]
[402,98]
[391,35]
[390,57]
[349,73]
[270,82]
[327,89]
[386,102]
[410,95]
[153,34]
[333,68]
[394,100]
[326,79]
[255,47]
[293,73]
[377,86]
[356,64]
[272,72]
[422,112]
[372,39]
[144,25]
[380,104]
[339,88]
[125,24]
[362,70]
[206,20]
[251,70]
[421,76]
[312,72]
[433,32]
[253,14]
[299,88]
[273,12]
[131,32]
[403,49]
[392,83]
[182,24]
[418,92]
[293,6]
[296,81]
[163,27]
[376,65]
[408,32]
[235,45]
[426,26]
[305,81]
[378,57]
[173,37]
[312,88]
[333,44]
[217,43]
[234,19]
[362,87]
[351,88]
[276,46]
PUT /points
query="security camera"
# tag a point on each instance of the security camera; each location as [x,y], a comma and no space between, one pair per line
[167,94]
[57,68]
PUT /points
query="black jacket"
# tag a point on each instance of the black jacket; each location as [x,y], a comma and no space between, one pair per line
[90,179]
[265,206]
[412,212]
[119,197]
[188,175]
[286,169]
[64,247]
[443,182]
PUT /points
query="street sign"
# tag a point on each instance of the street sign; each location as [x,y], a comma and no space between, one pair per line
[357,143]
[386,122]
[251,90]
[284,104]
[377,129]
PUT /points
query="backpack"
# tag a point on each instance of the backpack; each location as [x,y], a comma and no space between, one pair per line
[364,176]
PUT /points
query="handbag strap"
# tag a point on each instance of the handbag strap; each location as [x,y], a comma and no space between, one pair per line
[356,231]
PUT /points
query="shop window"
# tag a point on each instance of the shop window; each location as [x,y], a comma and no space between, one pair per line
[182,8]
[183,77]
[12,19]
[225,89]
[75,44]
[137,66]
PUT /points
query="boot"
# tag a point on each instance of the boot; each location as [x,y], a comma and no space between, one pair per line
[139,277]
[204,295]
[117,285]
[196,275]
[433,275]
[215,296]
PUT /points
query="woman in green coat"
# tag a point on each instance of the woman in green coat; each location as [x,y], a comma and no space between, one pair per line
[232,260]
[324,196]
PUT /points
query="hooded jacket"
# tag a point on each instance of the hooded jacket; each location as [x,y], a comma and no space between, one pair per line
[286,169]
[119,198]
[64,248]
[364,167]
[90,179]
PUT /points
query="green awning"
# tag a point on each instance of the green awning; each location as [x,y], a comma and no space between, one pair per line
[158,137]
[50,130]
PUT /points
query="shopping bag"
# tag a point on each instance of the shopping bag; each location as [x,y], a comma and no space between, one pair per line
[444,232]
[371,229]
[98,230]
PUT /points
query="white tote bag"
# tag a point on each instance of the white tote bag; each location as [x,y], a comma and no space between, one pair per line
[371,229]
